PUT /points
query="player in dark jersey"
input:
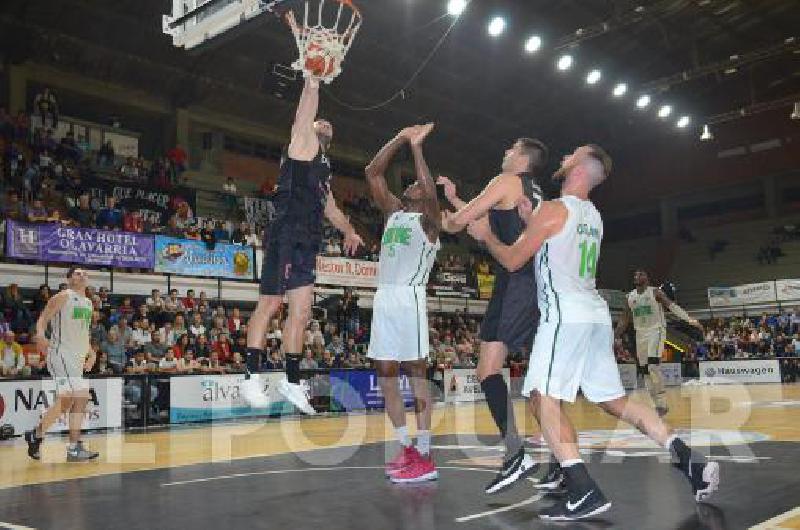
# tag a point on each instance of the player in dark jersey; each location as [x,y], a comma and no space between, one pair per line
[509,323]
[292,241]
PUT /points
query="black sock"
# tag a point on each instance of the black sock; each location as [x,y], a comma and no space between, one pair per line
[253,361]
[293,367]
[682,456]
[578,479]
[496,391]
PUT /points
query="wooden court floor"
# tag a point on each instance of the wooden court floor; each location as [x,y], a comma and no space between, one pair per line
[715,415]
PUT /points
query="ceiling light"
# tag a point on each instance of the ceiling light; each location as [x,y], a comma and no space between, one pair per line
[665,111]
[706,136]
[497,26]
[564,62]
[620,90]
[456,7]
[593,77]
[796,111]
[533,44]
[684,122]
[643,102]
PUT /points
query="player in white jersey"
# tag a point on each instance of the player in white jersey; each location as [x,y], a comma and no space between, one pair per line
[69,314]
[574,345]
[399,333]
[645,307]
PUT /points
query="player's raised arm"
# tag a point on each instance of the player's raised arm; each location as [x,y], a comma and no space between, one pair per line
[432,217]
[376,174]
[544,224]
[304,144]
[478,207]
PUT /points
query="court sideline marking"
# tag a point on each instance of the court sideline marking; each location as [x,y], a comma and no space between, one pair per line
[10,526]
[463,519]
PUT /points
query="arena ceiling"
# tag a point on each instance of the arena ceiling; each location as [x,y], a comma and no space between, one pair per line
[705,57]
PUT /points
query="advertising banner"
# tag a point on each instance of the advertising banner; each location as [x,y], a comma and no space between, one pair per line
[212,397]
[258,211]
[194,258]
[671,372]
[359,389]
[22,403]
[86,246]
[462,384]
[734,372]
[788,290]
[346,272]
[751,293]
[155,204]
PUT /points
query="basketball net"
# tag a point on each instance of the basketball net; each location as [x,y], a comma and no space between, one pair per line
[323,46]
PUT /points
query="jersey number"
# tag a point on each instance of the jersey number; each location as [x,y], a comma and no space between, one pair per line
[588,259]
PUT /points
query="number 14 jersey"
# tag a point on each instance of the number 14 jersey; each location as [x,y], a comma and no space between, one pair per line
[566,267]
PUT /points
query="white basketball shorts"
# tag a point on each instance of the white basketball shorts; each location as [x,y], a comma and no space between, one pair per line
[399,324]
[569,356]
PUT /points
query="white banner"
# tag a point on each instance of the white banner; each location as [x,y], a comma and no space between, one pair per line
[210,397]
[22,404]
[347,272]
[788,290]
[627,373]
[751,293]
[462,384]
[671,372]
[730,372]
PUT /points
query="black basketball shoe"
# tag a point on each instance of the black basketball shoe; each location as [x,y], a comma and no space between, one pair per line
[579,506]
[514,469]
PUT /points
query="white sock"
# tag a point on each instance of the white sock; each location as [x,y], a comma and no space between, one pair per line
[424,442]
[72,446]
[401,433]
[569,463]
[668,443]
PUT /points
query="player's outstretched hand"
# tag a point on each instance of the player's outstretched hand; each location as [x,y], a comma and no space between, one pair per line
[449,186]
[351,243]
[420,132]
[480,229]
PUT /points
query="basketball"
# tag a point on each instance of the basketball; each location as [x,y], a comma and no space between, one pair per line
[318,62]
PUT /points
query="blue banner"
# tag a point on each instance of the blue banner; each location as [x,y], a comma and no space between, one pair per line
[85,246]
[359,389]
[195,258]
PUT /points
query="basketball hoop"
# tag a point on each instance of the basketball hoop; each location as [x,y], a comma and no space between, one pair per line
[324,37]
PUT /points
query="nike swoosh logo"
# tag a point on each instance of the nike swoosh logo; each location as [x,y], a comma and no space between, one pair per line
[505,472]
[572,507]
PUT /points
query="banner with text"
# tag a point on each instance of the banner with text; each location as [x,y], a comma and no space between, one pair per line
[213,397]
[23,402]
[788,290]
[258,211]
[462,384]
[347,272]
[751,293]
[155,204]
[86,246]
[671,372]
[734,372]
[194,258]
[359,389]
